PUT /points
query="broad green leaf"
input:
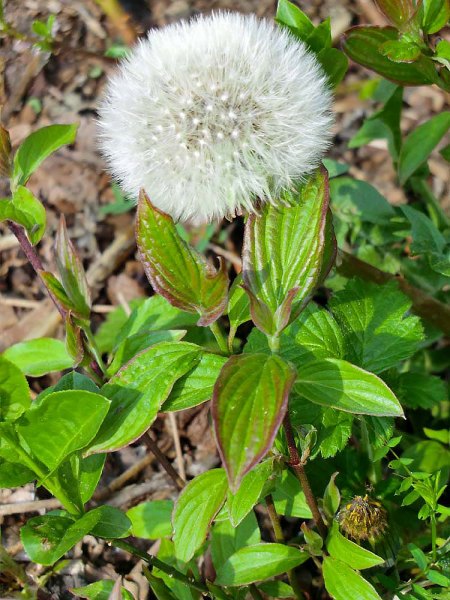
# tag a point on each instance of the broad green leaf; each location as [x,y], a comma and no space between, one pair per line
[258,562]
[37,146]
[196,507]
[130,347]
[283,254]
[49,537]
[106,334]
[249,492]
[342,582]
[333,429]
[399,12]
[112,523]
[180,591]
[248,406]
[14,391]
[334,63]
[426,236]
[291,16]
[39,356]
[100,590]
[226,539]
[14,474]
[419,144]
[89,473]
[355,556]
[72,273]
[334,167]
[320,38]
[420,390]
[26,210]
[61,424]
[177,271]
[338,384]
[196,386]
[435,15]
[289,498]
[362,44]
[377,333]
[151,520]
[276,589]
[314,334]
[138,391]
[400,51]
[360,199]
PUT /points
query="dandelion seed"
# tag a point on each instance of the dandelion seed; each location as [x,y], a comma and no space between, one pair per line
[251,89]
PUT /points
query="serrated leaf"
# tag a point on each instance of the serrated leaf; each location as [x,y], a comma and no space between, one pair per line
[227,539]
[248,406]
[39,356]
[25,210]
[355,556]
[177,271]
[342,582]
[196,507]
[258,562]
[362,44]
[338,384]
[249,492]
[72,273]
[419,144]
[14,391]
[197,386]
[377,333]
[151,520]
[138,391]
[37,146]
[283,254]
[62,423]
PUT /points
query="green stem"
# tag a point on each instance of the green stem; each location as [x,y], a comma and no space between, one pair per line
[279,538]
[162,566]
[220,337]
[375,466]
[433,537]
[422,190]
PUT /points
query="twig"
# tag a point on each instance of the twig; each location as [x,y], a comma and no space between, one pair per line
[423,305]
[119,482]
[17,508]
[297,466]
[176,443]
[153,446]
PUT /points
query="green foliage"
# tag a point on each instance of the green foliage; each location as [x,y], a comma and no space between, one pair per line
[39,356]
[342,581]
[100,590]
[25,210]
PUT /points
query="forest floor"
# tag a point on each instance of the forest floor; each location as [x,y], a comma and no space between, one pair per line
[38,90]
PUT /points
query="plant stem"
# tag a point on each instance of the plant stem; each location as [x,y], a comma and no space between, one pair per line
[433,536]
[220,337]
[297,466]
[375,466]
[279,537]
[164,462]
[162,566]
[35,261]
[254,592]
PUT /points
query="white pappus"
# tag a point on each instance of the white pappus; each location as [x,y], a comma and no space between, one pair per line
[214,115]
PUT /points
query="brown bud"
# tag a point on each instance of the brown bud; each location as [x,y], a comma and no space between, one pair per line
[363,519]
[5,153]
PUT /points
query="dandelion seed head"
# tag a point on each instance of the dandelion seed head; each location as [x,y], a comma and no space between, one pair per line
[213,115]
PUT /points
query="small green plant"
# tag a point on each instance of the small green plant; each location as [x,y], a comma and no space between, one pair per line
[318,404]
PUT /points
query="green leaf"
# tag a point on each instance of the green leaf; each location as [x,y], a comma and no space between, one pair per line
[331,497]
[72,273]
[419,557]
[37,146]
[435,15]
[61,424]
[400,51]
[26,210]
[14,391]
[89,473]
[427,456]
[151,520]
[49,537]
[226,539]
[100,590]
[248,406]
[197,386]
[12,472]
[420,390]
[339,384]
[291,16]
[130,347]
[249,492]
[334,63]
[39,356]
[289,498]
[314,334]
[378,335]
[196,507]
[419,144]
[277,589]
[283,254]
[360,199]
[257,562]
[113,523]
[355,556]
[138,391]
[426,236]
[362,44]
[342,582]
[320,38]
[334,167]
[399,12]
[177,271]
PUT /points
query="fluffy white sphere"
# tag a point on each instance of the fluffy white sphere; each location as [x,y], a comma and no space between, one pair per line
[213,115]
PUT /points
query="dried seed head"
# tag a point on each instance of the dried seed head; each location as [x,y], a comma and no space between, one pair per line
[363,519]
